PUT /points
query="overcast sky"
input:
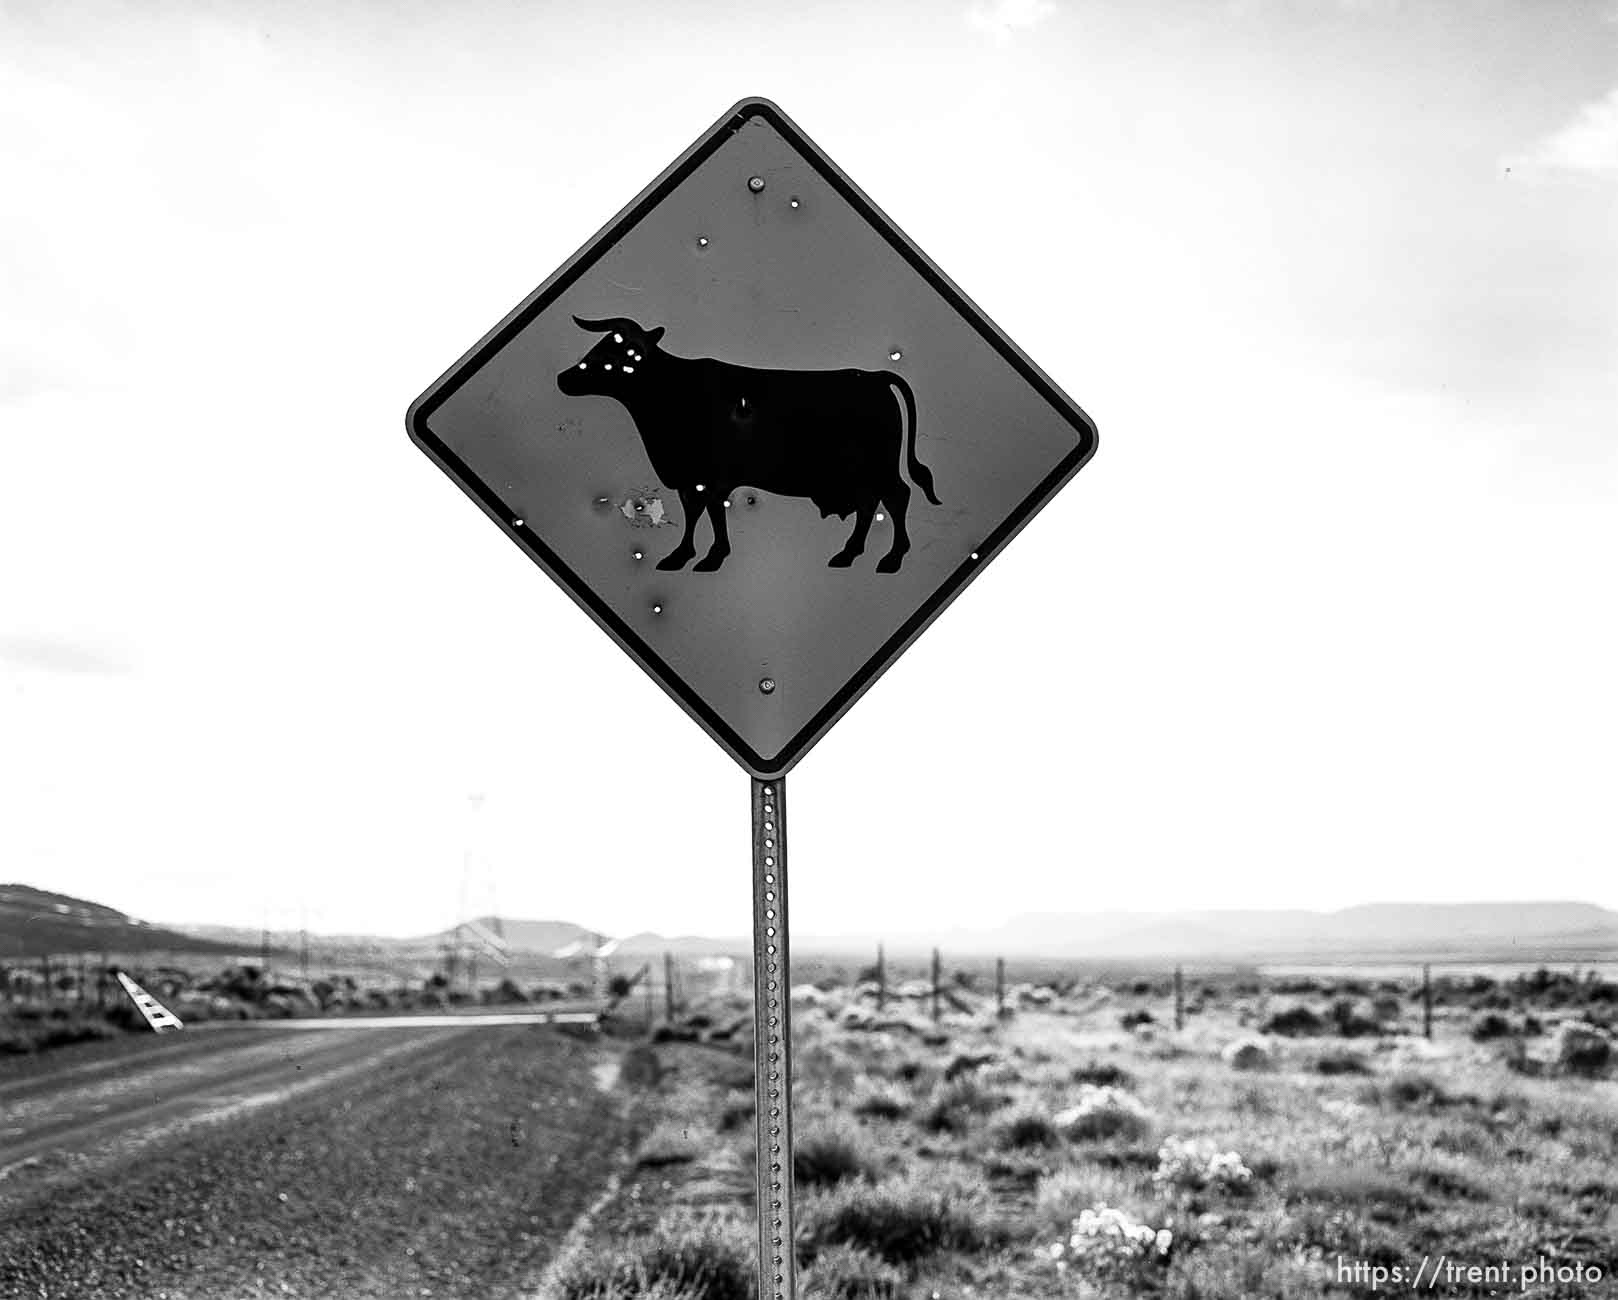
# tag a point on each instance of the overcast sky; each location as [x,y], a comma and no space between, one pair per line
[1329,619]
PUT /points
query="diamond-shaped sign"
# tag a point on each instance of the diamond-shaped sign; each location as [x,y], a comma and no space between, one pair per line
[756,434]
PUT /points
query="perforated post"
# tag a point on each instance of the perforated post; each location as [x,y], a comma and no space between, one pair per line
[772,1038]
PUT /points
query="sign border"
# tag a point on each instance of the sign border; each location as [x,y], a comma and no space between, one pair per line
[422,409]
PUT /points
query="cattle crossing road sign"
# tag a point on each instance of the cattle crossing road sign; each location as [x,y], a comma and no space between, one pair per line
[756,434]
[762,441]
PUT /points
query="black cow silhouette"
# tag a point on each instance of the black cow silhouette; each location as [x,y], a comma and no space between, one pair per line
[711,427]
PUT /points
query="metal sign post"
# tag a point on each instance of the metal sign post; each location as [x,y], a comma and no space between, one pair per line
[772,1038]
[763,441]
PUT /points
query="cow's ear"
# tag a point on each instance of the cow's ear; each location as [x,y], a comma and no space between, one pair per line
[653,334]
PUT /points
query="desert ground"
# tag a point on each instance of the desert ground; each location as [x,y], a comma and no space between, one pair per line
[1293,1137]
[1294,1140]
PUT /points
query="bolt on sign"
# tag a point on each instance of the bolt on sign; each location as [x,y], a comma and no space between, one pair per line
[762,441]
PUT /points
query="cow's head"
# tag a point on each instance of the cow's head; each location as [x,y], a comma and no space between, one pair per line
[610,368]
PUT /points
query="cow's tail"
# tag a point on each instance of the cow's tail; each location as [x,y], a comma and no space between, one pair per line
[920,475]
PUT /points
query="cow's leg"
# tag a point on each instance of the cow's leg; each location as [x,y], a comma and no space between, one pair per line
[721,535]
[855,545]
[897,499]
[691,510]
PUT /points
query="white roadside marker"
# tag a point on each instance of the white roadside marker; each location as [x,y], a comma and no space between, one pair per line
[157,1015]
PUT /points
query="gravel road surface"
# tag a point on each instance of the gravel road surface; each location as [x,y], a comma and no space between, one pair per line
[442,1159]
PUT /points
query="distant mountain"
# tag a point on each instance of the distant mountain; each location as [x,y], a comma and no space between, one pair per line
[37,922]
[540,937]
[1387,931]
[1499,930]
[646,944]
[248,940]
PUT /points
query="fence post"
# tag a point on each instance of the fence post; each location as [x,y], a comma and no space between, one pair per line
[668,986]
[1179,1000]
[1427,1001]
[936,968]
[999,988]
[881,978]
[651,1004]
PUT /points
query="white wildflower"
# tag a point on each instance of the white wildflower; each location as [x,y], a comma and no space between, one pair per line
[1106,1240]
[1196,1163]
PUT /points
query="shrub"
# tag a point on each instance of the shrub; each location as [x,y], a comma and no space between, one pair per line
[1135,1019]
[1247,1054]
[903,1220]
[827,1154]
[1407,1091]
[1582,1048]
[847,1273]
[1353,1185]
[1489,1026]
[669,1144]
[965,1063]
[641,1067]
[703,1258]
[1193,1164]
[75,1031]
[1387,1006]
[1341,1062]
[1102,1113]
[1451,1183]
[122,1015]
[1103,1074]
[951,1107]
[1294,1022]
[883,1103]
[1348,1021]
[1026,1130]
[1059,1197]
[1003,1074]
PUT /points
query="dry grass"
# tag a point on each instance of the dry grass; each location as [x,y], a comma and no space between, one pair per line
[1385,1149]
[828,1152]
[689,1257]
[903,1220]
[847,1273]
[671,1143]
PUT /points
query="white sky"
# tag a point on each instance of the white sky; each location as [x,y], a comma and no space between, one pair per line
[1329,619]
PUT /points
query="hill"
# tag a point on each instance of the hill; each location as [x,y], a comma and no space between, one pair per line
[648,944]
[36,922]
[1527,931]
[1475,931]
[541,938]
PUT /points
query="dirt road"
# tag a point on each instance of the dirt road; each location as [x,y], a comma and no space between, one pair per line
[409,1159]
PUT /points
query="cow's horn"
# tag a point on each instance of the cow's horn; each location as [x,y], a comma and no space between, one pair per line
[605,326]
